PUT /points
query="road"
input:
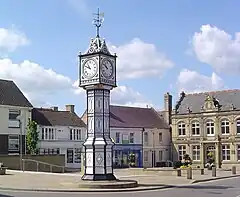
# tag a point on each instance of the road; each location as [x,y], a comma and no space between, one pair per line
[221,188]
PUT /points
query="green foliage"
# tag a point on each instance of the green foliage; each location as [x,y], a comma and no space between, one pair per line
[210,155]
[131,160]
[32,137]
[177,164]
[187,160]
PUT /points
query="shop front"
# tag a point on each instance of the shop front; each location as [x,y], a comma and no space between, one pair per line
[122,155]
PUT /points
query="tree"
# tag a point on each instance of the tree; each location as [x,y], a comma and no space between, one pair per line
[32,137]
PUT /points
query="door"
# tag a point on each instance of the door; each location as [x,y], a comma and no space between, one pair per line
[210,149]
[73,158]
[124,162]
[153,158]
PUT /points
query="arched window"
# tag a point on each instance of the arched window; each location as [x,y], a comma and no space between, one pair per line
[225,127]
[238,126]
[195,128]
[182,129]
[210,127]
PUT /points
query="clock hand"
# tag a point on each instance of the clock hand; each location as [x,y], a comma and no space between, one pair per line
[106,67]
[87,66]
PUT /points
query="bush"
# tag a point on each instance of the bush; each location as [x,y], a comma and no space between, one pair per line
[177,164]
[186,166]
[187,160]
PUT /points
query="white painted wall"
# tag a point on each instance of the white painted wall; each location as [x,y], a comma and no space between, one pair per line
[153,143]
[4,120]
[62,141]
[126,132]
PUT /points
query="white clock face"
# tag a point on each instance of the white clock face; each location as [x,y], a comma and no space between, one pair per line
[107,68]
[90,68]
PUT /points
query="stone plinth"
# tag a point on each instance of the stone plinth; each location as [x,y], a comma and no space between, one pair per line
[3,170]
[115,184]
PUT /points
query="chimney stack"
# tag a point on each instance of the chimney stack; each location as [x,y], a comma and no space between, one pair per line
[168,106]
[70,108]
[54,108]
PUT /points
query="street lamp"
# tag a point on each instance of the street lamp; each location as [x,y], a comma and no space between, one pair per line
[20,142]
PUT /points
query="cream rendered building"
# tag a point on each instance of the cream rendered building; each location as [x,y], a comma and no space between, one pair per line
[142,131]
[15,111]
[207,122]
[60,132]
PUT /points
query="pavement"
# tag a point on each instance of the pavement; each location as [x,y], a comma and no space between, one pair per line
[50,182]
[226,187]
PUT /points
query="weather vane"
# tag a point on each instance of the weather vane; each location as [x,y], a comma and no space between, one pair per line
[98,20]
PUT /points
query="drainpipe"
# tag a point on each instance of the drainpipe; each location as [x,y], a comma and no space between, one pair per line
[153,153]
[143,129]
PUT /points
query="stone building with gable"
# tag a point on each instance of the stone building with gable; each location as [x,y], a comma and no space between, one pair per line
[207,122]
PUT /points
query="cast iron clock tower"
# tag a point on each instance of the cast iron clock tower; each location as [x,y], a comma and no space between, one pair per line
[97,75]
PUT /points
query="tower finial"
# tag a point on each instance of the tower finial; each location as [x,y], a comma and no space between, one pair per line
[98,20]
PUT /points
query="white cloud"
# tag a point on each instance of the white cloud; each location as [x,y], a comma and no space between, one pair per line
[193,82]
[217,48]
[124,95]
[11,39]
[76,89]
[138,59]
[35,81]
[121,95]
[39,83]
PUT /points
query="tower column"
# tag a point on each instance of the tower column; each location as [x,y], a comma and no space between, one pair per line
[98,145]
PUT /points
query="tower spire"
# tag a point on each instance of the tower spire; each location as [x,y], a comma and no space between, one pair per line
[98,20]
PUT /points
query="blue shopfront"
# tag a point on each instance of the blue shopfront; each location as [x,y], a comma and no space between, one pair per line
[122,152]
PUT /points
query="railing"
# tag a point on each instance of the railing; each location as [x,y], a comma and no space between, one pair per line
[40,162]
[169,162]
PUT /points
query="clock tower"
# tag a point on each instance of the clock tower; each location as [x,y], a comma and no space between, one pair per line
[97,75]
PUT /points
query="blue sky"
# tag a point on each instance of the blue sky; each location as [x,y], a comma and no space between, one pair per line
[169,45]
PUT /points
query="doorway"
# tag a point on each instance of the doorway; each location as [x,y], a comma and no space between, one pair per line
[209,149]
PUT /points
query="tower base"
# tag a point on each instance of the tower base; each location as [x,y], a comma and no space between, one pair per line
[98,177]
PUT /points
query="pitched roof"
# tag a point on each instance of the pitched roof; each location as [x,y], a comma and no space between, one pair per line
[49,117]
[135,117]
[98,45]
[11,95]
[226,98]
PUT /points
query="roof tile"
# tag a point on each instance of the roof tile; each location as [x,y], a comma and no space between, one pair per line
[11,95]
[49,117]
[135,117]
[195,101]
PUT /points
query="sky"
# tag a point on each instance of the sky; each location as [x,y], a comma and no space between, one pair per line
[162,46]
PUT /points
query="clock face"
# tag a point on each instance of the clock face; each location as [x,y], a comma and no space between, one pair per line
[90,68]
[107,68]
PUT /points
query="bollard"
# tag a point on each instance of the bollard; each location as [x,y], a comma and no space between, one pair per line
[234,170]
[179,172]
[202,171]
[214,171]
[189,173]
